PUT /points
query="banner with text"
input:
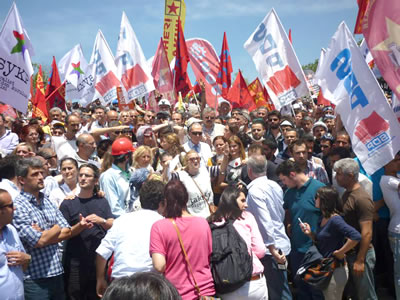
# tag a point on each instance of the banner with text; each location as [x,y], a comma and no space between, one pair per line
[174,10]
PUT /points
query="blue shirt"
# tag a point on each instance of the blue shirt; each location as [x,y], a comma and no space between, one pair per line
[300,202]
[11,277]
[46,261]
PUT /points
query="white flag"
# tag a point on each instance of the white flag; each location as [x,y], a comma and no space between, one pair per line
[15,62]
[104,70]
[132,67]
[369,58]
[365,113]
[73,69]
[276,61]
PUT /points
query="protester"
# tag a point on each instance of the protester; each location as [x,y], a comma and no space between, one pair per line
[8,140]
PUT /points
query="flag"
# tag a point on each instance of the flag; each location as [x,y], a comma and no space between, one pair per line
[239,95]
[225,68]
[54,81]
[7,110]
[15,52]
[132,68]
[104,70]
[256,90]
[271,105]
[181,78]
[205,65]
[276,61]
[321,100]
[362,8]
[369,58]
[162,75]
[396,106]
[39,102]
[382,32]
[364,111]
[77,75]
[290,36]
[57,99]
[174,10]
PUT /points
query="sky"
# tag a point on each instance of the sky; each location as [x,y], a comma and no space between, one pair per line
[55,27]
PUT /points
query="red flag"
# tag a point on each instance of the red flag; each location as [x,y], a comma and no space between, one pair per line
[57,98]
[362,8]
[271,105]
[381,31]
[7,110]
[39,102]
[182,81]
[54,79]
[257,92]
[239,95]
[162,75]
[322,100]
[225,68]
[290,36]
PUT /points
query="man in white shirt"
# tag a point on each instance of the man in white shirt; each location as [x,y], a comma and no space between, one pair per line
[210,128]
[8,140]
[195,132]
[131,247]
[65,145]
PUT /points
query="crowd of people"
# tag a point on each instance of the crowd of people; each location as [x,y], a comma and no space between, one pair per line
[102,203]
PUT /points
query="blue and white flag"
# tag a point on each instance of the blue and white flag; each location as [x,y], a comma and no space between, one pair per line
[350,84]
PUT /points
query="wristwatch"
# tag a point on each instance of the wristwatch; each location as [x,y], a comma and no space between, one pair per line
[104,221]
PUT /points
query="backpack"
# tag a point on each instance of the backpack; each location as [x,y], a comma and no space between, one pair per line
[231,263]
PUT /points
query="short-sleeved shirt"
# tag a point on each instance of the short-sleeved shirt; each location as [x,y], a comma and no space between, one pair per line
[357,207]
[83,246]
[196,237]
[300,202]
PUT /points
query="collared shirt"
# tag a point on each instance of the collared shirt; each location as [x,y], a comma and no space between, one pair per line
[46,260]
[63,146]
[10,187]
[265,202]
[130,248]
[316,171]
[115,185]
[203,149]
[11,277]
[216,130]
[8,142]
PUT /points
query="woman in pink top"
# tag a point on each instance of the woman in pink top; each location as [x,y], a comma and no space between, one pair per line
[232,206]
[165,248]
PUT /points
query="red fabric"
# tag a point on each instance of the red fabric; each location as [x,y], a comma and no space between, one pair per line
[182,81]
[270,103]
[371,127]
[290,35]
[39,102]
[106,83]
[57,98]
[54,79]
[362,8]
[283,80]
[225,68]
[257,92]
[322,100]
[239,95]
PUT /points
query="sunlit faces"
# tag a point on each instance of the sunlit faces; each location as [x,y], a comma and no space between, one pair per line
[208,118]
[196,132]
[55,115]
[319,131]
[33,136]
[177,118]
[144,160]
[234,150]
[257,131]
[342,141]
[125,117]
[290,136]
[262,113]
[241,201]
[87,179]
[193,162]
[34,180]
[149,117]
[74,124]
[99,114]
[68,170]
[23,151]
[219,145]
[300,154]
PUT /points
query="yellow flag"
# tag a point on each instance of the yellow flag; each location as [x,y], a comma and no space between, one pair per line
[172,12]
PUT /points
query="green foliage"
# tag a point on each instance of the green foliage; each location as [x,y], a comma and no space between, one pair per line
[311,66]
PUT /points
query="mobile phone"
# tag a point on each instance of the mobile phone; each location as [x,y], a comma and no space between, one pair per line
[301,223]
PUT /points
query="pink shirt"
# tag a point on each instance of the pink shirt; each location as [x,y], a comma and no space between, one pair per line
[248,230]
[196,236]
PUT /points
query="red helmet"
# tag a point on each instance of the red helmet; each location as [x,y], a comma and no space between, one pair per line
[122,146]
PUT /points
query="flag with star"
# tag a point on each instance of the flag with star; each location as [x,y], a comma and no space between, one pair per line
[173,11]
[239,95]
[77,75]
[382,32]
[132,67]
[257,92]
[225,68]
[181,77]
[39,106]
[16,51]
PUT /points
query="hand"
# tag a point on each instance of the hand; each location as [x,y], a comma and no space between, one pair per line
[101,194]
[289,230]
[94,219]
[85,223]
[339,255]
[202,85]
[280,258]
[119,128]
[16,258]
[358,268]
[36,227]
[305,228]
[101,287]
[70,197]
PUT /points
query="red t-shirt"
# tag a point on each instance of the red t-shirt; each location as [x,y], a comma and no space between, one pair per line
[196,236]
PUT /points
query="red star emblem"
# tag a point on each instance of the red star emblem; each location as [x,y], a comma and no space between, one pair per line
[173,8]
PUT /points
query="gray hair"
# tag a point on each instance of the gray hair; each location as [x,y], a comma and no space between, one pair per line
[57,109]
[207,110]
[23,165]
[348,166]
[258,165]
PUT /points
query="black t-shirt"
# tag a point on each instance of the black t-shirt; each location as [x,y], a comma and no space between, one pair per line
[84,245]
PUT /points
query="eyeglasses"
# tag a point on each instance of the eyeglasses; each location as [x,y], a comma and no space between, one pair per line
[197,133]
[209,118]
[194,159]
[11,205]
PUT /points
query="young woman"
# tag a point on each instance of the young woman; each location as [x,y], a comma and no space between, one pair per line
[232,206]
[220,144]
[142,158]
[237,156]
[330,236]
[166,251]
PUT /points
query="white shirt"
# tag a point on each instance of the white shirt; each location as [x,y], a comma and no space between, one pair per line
[204,151]
[389,186]
[10,187]
[64,147]
[129,239]
[216,130]
[265,202]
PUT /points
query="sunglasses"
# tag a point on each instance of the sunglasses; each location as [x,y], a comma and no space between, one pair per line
[11,205]
[194,159]
[197,133]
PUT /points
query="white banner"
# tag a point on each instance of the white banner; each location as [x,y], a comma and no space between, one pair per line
[104,70]
[132,67]
[276,61]
[15,62]
[73,69]
[365,113]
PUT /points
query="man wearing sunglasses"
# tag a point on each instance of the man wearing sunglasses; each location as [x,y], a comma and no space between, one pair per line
[210,128]
[195,133]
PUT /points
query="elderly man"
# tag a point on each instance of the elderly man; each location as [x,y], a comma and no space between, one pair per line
[164,105]
[8,140]
[125,117]
[100,116]
[210,128]
[12,253]
[66,145]
[111,115]
[86,147]
[195,132]
[358,212]
[265,202]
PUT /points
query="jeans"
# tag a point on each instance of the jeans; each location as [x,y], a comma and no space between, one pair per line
[304,290]
[80,281]
[394,239]
[51,288]
[361,287]
[277,282]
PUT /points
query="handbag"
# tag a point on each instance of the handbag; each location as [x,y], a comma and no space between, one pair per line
[211,207]
[201,297]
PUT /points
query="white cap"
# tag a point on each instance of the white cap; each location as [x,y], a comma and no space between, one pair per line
[164,102]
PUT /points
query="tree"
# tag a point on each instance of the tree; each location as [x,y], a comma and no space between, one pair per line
[311,66]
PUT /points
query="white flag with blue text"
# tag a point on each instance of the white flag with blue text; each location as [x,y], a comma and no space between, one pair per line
[365,113]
